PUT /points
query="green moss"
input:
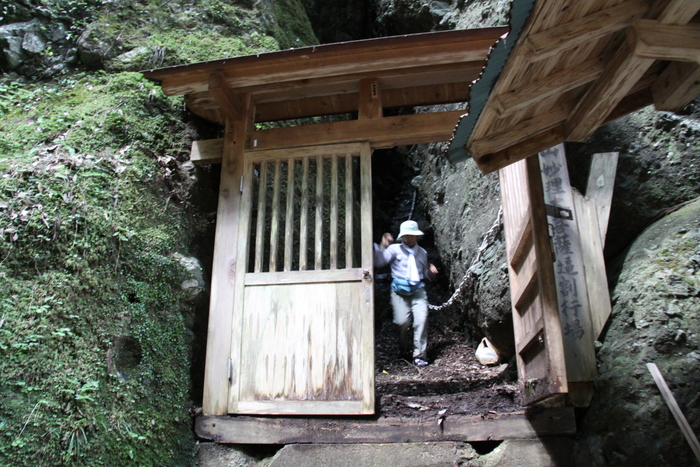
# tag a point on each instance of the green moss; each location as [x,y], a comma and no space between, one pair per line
[86,261]
[293,28]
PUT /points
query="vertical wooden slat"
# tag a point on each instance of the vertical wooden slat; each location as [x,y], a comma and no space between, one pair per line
[334,212]
[348,212]
[289,222]
[274,228]
[260,230]
[367,311]
[304,215]
[318,258]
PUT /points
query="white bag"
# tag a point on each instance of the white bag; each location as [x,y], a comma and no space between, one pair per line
[486,353]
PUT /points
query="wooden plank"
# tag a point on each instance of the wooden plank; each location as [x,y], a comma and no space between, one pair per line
[274,221]
[517,133]
[677,86]
[304,215]
[229,103]
[349,209]
[370,99]
[523,239]
[528,339]
[593,263]
[302,152]
[334,212]
[260,228]
[527,280]
[309,407]
[539,90]
[236,236]
[318,230]
[601,183]
[289,220]
[569,274]
[622,72]
[565,36]
[219,331]
[380,132]
[367,260]
[301,277]
[464,428]
[208,151]
[372,56]
[537,142]
[675,409]
[556,382]
[651,39]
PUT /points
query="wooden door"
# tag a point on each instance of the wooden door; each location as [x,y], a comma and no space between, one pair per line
[303,314]
[536,323]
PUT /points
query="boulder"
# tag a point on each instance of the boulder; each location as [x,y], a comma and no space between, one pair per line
[655,318]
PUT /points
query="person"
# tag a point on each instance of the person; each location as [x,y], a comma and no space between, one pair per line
[409,268]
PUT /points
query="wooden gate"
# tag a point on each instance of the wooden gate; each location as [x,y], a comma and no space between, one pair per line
[303,314]
[536,322]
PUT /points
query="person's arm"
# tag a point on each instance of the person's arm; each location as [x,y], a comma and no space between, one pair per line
[383,255]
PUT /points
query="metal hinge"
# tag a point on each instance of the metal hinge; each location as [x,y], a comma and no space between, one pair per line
[559,213]
[229,368]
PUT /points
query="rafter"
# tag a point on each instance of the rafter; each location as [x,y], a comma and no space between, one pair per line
[542,89]
[568,35]
[677,85]
[621,74]
[230,103]
[651,39]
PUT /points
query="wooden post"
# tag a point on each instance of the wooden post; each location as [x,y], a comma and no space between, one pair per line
[574,307]
[216,383]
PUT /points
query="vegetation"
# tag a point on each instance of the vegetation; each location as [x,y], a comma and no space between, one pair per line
[95,219]
[89,228]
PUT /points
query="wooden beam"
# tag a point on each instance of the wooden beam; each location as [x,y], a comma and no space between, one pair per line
[651,39]
[623,71]
[516,134]
[593,264]
[491,427]
[601,183]
[380,132]
[536,143]
[207,151]
[329,62]
[370,99]
[555,40]
[220,328]
[549,86]
[229,102]
[621,74]
[685,427]
[677,86]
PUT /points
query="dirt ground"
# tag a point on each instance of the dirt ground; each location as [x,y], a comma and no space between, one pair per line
[454,382]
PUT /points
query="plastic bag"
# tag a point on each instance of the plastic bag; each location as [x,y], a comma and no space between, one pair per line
[486,353]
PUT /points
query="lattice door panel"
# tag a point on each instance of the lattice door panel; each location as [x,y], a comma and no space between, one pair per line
[303,324]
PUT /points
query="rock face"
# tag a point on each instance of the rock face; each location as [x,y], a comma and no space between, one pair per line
[655,318]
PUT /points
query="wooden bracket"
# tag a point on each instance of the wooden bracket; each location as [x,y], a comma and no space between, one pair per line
[230,103]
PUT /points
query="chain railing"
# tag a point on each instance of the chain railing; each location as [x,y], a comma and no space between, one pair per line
[488,239]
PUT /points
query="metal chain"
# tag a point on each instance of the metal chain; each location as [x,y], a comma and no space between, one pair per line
[413,205]
[470,272]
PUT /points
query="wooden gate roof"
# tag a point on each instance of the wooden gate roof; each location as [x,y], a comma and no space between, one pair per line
[419,69]
[565,68]
[577,65]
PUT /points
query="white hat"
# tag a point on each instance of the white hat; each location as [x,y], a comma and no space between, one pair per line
[409,228]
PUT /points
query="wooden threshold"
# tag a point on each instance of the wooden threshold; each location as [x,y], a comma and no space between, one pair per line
[287,430]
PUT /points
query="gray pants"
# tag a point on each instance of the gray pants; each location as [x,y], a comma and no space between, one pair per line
[404,307]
